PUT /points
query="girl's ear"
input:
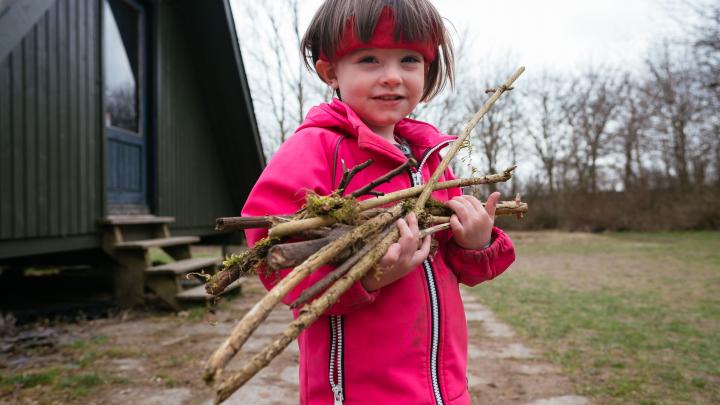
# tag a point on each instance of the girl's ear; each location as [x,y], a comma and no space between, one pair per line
[326,70]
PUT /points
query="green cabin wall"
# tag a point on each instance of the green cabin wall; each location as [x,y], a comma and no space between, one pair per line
[50,143]
[191,182]
[52,140]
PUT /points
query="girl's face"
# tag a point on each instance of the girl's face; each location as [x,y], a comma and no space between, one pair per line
[381,85]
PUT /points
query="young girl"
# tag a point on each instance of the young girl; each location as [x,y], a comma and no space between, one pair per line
[398,336]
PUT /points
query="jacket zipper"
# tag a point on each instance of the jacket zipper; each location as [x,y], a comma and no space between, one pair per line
[336,359]
[417,174]
[336,322]
[416,178]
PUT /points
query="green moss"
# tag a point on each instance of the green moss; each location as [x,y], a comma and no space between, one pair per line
[343,209]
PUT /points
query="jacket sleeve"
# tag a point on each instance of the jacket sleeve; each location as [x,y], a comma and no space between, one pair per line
[472,267]
[301,165]
[475,266]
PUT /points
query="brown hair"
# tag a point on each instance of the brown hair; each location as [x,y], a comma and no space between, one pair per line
[415,20]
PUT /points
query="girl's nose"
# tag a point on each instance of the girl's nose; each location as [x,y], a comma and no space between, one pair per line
[391,76]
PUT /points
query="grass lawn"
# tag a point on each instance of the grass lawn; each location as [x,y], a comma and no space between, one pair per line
[631,317]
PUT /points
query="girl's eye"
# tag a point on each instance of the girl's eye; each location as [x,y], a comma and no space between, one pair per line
[410,59]
[368,59]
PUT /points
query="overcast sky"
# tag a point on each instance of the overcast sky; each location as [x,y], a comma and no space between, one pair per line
[560,34]
[557,35]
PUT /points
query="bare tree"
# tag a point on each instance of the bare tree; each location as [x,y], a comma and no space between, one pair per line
[546,124]
[281,87]
[588,110]
[632,120]
[674,89]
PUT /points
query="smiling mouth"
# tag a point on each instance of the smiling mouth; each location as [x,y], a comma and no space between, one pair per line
[388,98]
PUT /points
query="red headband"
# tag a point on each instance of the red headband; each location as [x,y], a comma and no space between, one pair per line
[382,37]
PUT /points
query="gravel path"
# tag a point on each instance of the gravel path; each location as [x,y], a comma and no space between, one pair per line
[158,357]
[501,369]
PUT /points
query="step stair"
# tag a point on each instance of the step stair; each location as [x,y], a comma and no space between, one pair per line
[129,240]
[136,220]
[159,242]
[185,266]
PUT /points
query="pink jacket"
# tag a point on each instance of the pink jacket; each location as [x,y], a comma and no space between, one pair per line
[407,342]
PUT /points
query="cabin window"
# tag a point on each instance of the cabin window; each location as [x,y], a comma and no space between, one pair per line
[121,64]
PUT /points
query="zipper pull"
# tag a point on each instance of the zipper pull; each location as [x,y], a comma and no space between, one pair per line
[417,178]
[337,395]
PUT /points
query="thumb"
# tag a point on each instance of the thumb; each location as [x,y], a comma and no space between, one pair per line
[491,204]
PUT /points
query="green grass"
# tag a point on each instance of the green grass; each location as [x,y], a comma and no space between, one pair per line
[70,384]
[158,255]
[75,380]
[29,380]
[631,317]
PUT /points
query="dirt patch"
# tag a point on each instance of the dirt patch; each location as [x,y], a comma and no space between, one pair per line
[157,358]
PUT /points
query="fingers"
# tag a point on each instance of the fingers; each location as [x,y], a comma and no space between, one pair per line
[420,255]
[391,257]
[456,226]
[491,204]
[461,207]
[407,240]
[475,203]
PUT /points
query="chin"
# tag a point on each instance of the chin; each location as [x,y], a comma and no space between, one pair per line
[389,120]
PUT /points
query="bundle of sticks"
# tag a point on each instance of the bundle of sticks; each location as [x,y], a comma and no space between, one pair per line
[337,229]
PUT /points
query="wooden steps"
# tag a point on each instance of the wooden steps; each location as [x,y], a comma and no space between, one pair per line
[129,240]
[185,266]
[135,220]
[159,242]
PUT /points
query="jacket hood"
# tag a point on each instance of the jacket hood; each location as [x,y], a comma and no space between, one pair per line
[338,116]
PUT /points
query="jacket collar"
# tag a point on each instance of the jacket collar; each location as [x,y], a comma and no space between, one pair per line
[338,115]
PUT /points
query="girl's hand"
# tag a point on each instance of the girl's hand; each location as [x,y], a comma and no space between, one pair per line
[472,223]
[402,256]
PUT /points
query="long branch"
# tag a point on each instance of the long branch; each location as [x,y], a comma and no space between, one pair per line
[260,311]
[307,316]
[458,143]
[293,227]
[338,272]
[349,174]
[384,178]
[286,255]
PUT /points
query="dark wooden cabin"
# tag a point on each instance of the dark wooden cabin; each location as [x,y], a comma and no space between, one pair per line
[124,125]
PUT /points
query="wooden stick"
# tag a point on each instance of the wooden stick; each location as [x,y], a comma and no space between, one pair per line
[291,254]
[458,143]
[385,178]
[338,272]
[307,316]
[293,227]
[239,223]
[286,255]
[348,175]
[262,308]
[246,263]
[437,228]
[414,191]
